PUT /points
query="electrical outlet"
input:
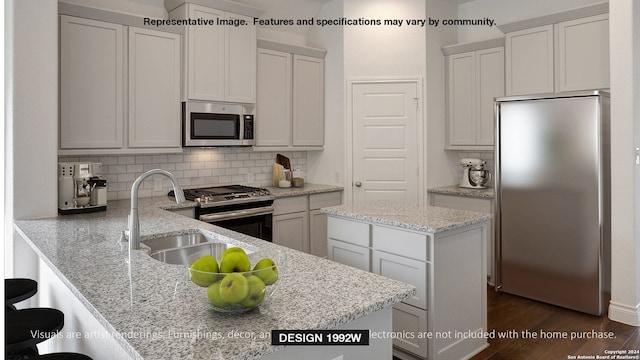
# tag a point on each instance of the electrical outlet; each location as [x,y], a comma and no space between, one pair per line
[250,178]
[157,184]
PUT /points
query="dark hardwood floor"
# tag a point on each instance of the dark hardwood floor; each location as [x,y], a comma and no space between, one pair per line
[512,313]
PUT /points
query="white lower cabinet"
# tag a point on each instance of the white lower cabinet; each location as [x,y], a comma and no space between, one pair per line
[349,254]
[413,320]
[448,270]
[299,224]
[290,220]
[484,205]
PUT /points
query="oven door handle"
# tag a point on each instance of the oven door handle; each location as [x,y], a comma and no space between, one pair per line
[236,214]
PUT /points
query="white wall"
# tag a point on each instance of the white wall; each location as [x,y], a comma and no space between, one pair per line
[31,113]
[508,11]
[442,166]
[361,52]
[384,51]
[625,177]
[328,166]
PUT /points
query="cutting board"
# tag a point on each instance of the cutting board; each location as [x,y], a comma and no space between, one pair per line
[284,161]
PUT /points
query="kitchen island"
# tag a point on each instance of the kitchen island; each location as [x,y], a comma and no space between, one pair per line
[120,304]
[441,251]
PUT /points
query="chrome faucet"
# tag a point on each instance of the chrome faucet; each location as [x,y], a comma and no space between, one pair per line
[134,223]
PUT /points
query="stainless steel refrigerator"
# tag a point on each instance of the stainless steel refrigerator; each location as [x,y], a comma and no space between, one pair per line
[553,198]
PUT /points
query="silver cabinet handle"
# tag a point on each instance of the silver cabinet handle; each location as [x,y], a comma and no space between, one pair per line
[358,184]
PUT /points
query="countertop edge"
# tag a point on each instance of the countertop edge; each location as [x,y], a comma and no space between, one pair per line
[455,190]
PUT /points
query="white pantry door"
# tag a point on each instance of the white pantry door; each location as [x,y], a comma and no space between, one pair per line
[385,141]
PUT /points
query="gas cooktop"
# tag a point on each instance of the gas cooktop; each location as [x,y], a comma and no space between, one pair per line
[225,195]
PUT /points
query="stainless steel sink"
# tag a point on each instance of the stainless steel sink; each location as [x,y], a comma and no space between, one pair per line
[187,255]
[183,249]
[176,241]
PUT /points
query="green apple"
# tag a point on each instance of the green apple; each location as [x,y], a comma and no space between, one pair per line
[235,262]
[233,288]
[268,271]
[257,290]
[232,250]
[201,268]
[213,293]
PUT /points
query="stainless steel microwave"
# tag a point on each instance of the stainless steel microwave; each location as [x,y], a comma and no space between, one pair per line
[215,124]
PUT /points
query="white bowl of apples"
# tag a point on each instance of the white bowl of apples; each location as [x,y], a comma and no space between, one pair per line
[232,284]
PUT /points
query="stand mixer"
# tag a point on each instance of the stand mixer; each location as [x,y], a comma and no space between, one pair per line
[474,176]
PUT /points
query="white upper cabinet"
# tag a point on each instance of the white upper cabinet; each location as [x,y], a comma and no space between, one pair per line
[273,109]
[474,79]
[154,89]
[529,61]
[91,84]
[583,53]
[308,101]
[204,56]
[290,98]
[119,88]
[240,65]
[220,59]
[569,51]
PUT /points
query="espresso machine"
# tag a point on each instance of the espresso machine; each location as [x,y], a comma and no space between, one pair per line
[474,175]
[80,188]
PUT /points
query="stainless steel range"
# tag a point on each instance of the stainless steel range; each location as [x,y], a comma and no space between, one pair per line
[245,209]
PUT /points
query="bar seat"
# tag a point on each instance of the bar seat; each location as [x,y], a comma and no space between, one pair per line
[16,290]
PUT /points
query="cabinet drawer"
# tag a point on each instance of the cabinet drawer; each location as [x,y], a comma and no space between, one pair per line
[400,268]
[317,201]
[349,254]
[402,242]
[349,231]
[411,320]
[290,205]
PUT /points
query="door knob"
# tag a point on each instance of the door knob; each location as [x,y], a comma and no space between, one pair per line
[358,184]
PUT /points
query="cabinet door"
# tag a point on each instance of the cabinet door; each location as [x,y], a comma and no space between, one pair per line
[273,109]
[91,84]
[240,65]
[292,230]
[411,320]
[154,89]
[308,101]
[583,53]
[205,56]
[461,96]
[400,268]
[489,85]
[529,61]
[318,221]
[349,254]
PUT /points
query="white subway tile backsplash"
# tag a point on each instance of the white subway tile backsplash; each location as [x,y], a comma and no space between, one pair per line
[193,168]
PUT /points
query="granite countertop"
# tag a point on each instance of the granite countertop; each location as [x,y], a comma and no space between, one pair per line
[307,189]
[429,219]
[487,193]
[146,303]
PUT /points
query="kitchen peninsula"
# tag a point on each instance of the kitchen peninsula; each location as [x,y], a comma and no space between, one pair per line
[131,306]
[441,251]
